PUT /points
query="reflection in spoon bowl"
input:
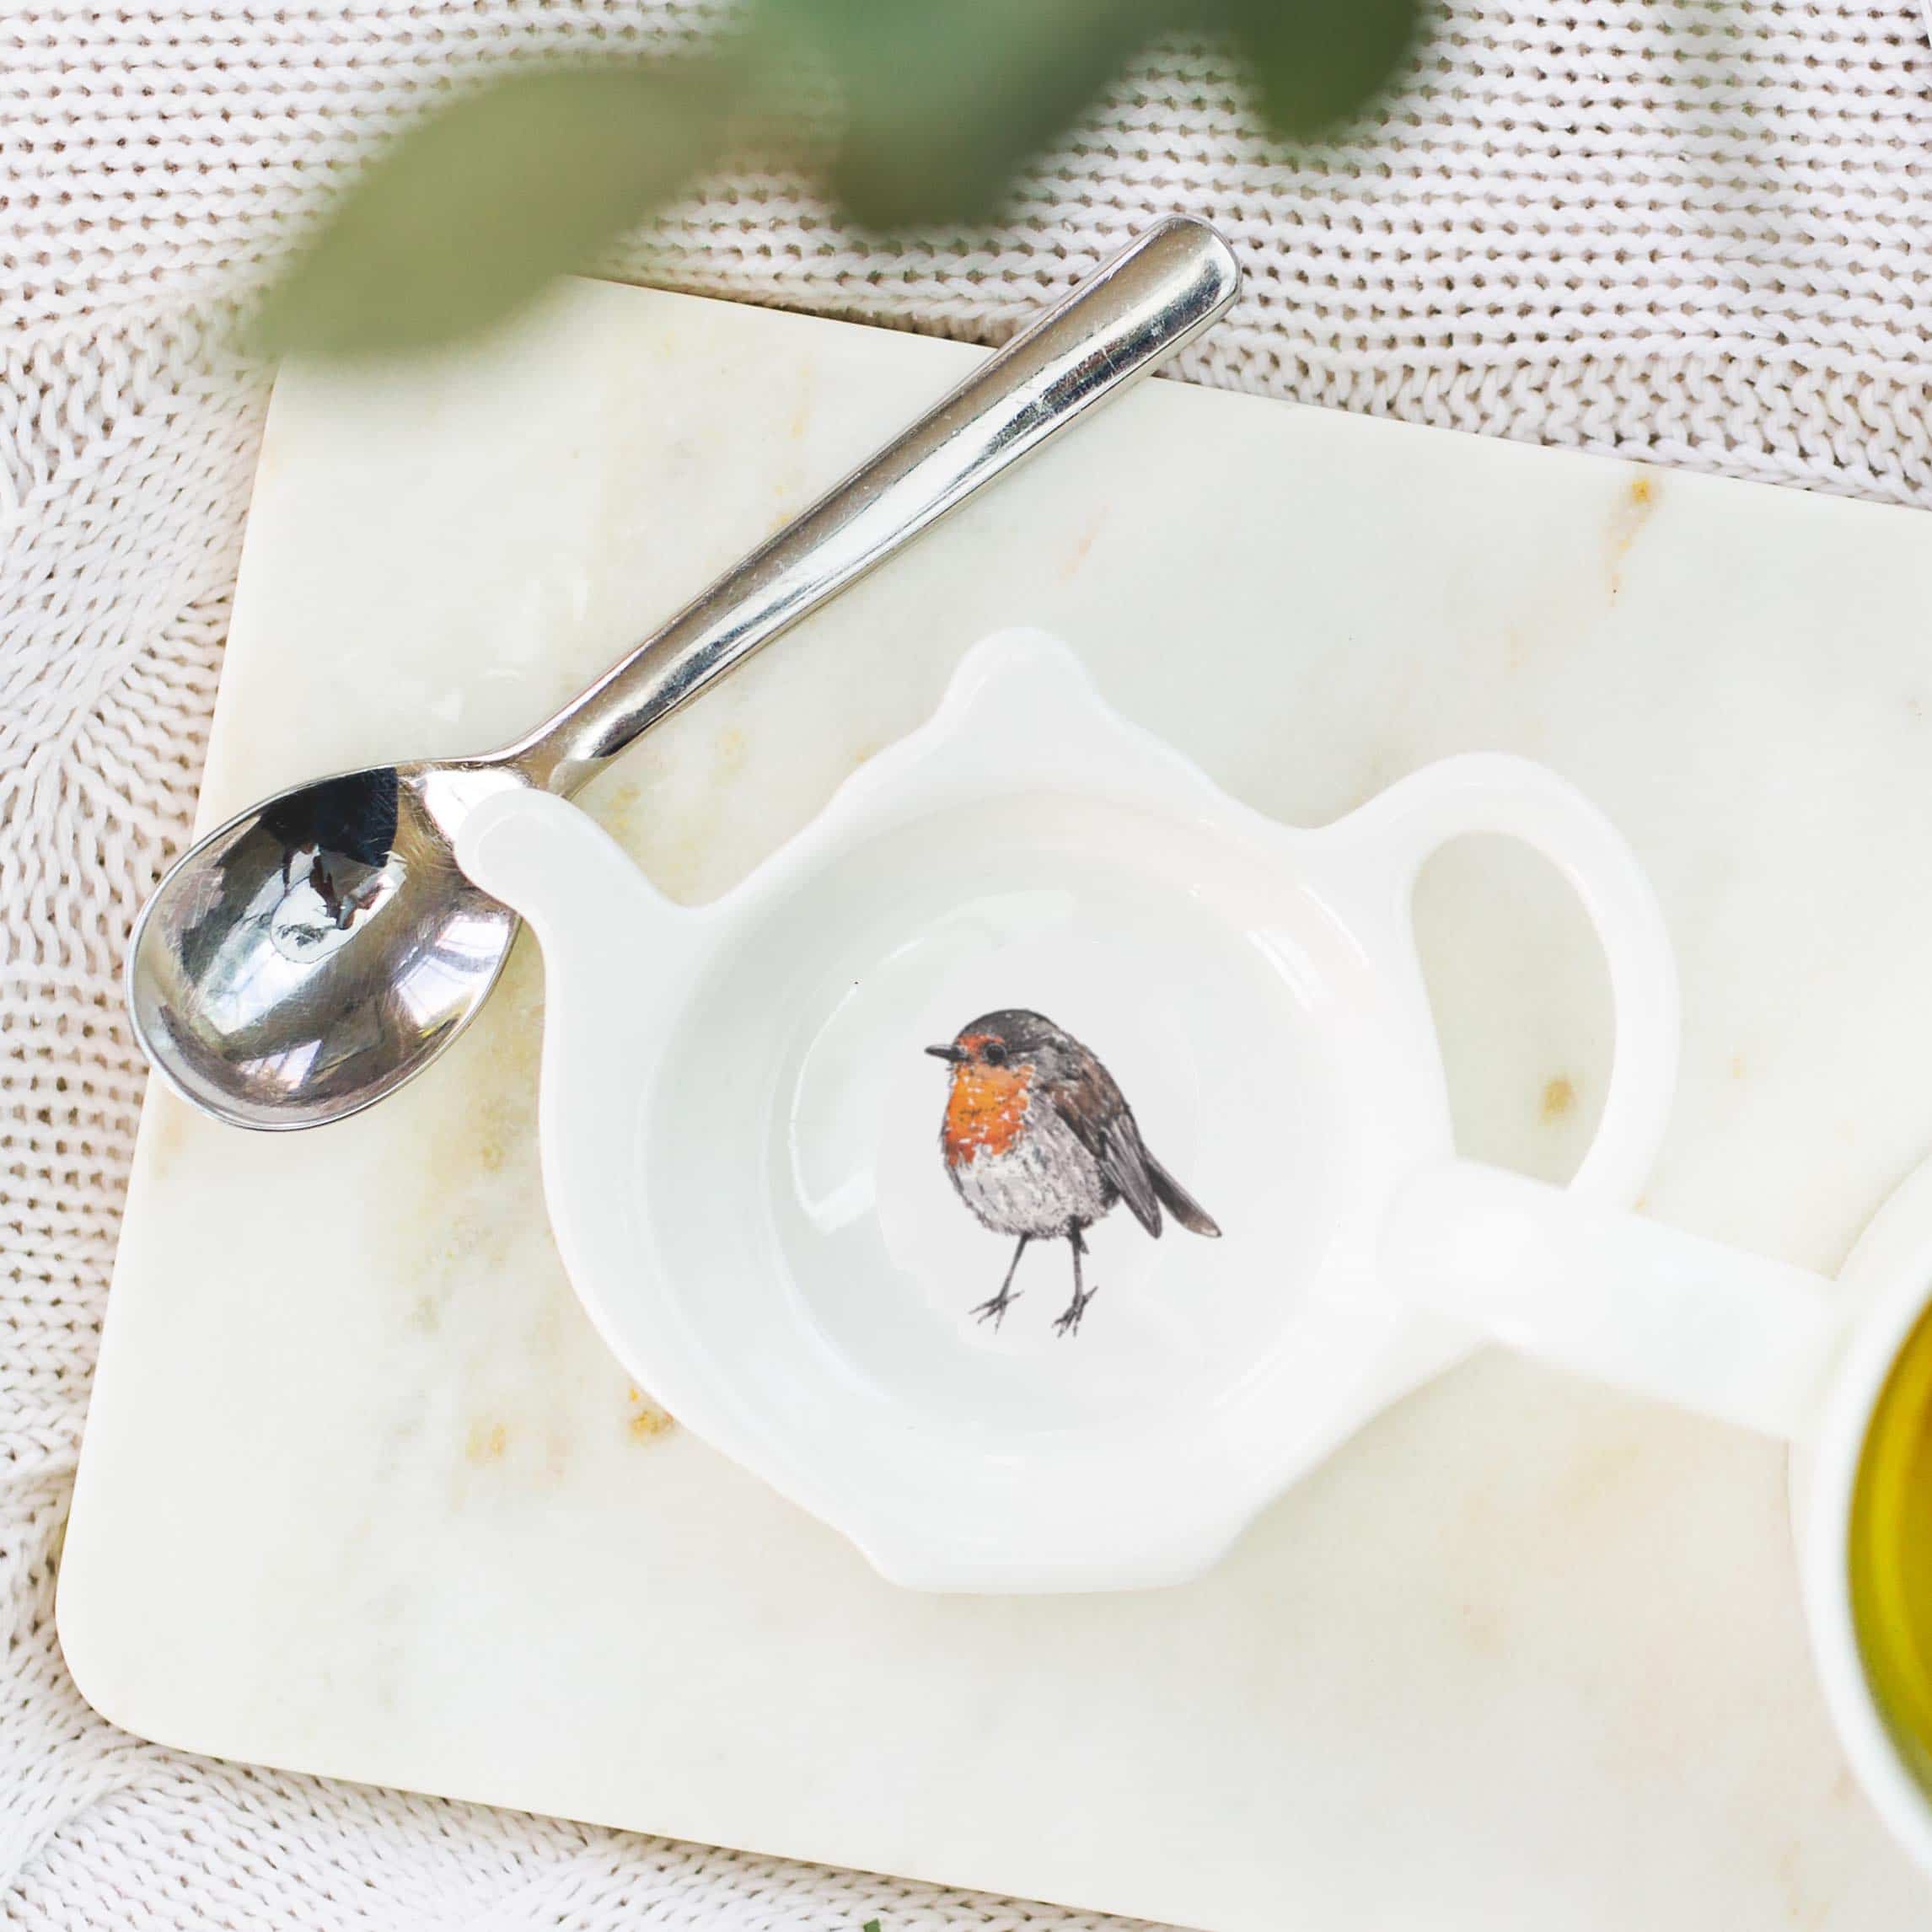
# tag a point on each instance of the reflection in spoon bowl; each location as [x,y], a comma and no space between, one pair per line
[327,896]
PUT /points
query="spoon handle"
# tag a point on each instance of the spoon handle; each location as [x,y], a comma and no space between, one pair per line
[1153,298]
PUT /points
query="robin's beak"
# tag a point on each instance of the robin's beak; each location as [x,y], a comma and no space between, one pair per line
[952,1053]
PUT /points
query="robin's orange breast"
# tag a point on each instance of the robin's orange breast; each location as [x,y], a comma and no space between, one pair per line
[984,1111]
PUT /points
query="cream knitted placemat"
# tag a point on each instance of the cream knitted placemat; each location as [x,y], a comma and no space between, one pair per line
[1691,232]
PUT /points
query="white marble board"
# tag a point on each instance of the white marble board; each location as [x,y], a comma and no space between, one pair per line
[362,1494]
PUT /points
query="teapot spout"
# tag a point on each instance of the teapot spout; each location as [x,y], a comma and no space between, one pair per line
[598,920]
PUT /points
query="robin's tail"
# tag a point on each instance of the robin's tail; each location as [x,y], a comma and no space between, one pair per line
[1179,1203]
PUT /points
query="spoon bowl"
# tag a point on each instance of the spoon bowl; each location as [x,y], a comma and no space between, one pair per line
[313,954]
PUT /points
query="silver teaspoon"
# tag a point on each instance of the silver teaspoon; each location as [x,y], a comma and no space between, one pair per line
[314,952]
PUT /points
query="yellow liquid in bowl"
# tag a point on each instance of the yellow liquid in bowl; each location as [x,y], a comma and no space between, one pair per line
[1890,1552]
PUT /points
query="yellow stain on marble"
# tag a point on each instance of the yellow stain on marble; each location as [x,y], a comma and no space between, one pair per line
[645,1425]
[486,1443]
[1592,1482]
[622,801]
[1082,545]
[1558,1096]
[1482,1628]
[643,1420]
[488,1129]
[1632,510]
[170,1121]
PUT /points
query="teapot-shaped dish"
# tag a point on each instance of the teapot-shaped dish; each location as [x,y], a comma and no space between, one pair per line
[998,1171]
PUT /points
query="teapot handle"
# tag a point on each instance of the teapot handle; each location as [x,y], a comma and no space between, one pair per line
[1399,831]
[1567,1275]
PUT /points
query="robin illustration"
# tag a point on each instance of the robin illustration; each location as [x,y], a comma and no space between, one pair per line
[1040,1143]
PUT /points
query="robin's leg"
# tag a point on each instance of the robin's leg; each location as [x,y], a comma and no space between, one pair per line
[997,1307]
[1069,1322]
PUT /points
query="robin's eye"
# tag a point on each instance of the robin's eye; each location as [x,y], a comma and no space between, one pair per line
[994,1053]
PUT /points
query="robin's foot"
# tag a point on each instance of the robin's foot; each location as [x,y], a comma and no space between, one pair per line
[995,1311]
[1069,1322]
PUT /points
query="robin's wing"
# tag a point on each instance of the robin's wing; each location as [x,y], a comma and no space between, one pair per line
[1102,1123]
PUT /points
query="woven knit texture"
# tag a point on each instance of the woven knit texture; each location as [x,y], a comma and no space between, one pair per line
[1688,230]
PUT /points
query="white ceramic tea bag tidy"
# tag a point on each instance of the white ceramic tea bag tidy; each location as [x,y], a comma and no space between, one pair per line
[741,1126]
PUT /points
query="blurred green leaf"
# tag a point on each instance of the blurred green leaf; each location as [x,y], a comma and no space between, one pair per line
[472,211]
[945,102]
[1318,63]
